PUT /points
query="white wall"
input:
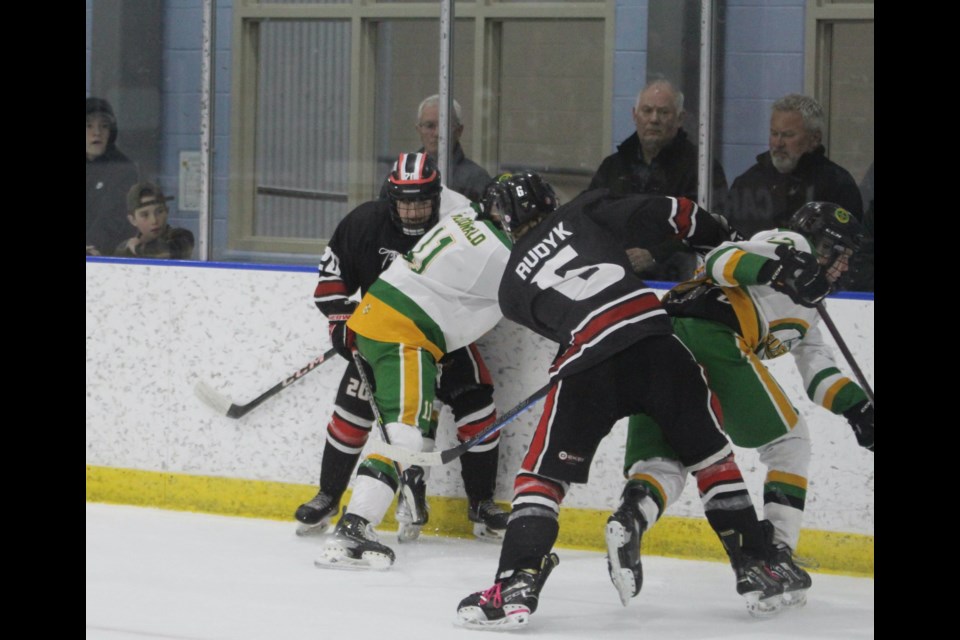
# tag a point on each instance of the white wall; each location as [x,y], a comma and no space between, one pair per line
[153,331]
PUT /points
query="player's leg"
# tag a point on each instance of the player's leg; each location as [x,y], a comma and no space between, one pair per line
[465,384]
[347,433]
[403,379]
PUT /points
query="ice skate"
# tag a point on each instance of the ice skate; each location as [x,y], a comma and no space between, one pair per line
[756,581]
[354,545]
[795,580]
[490,521]
[624,532]
[506,605]
[409,528]
[315,516]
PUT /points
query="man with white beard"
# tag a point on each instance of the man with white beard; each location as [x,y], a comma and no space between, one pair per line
[794,171]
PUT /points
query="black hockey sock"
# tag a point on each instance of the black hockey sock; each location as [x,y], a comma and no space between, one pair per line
[479,473]
[336,469]
[754,538]
[527,540]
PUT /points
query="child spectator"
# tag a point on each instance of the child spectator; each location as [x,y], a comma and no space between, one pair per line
[147,211]
[110,173]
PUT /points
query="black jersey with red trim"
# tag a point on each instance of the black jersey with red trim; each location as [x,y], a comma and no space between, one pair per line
[657,220]
[363,245]
[569,278]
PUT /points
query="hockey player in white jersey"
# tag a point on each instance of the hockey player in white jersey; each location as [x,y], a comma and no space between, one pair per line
[363,245]
[756,302]
[439,297]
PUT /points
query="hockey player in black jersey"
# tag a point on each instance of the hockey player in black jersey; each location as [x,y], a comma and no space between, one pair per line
[363,245]
[570,279]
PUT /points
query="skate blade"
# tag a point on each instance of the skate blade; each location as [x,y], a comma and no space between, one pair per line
[795,599]
[514,617]
[408,532]
[765,608]
[623,579]
[806,562]
[336,556]
[308,530]
[485,534]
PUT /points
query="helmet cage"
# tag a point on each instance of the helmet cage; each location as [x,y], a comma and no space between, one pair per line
[414,178]
[832,231]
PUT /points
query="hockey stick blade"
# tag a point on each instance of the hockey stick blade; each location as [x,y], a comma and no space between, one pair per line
[224,406]
[212,398]
[437,458]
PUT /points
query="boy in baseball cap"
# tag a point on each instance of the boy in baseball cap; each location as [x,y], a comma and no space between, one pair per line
[147,211]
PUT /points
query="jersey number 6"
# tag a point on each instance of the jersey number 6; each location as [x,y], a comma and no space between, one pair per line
[580,283]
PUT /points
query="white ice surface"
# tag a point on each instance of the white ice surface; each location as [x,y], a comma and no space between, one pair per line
[153,574]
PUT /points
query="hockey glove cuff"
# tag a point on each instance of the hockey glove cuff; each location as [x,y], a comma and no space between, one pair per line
[342,338]
[860,417]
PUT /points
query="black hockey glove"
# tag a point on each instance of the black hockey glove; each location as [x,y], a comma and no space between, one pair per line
[342,337]
[798,275]
[860,417]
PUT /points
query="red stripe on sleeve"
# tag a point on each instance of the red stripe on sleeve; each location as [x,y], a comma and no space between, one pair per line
[684,217]
[330,288]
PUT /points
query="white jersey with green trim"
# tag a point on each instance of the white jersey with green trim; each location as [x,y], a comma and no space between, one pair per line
[784,325]
[453,274]
[451,202]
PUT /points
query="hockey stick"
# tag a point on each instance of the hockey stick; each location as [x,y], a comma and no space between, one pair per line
[822,310]
[406,491]
[437,458]
[222,404]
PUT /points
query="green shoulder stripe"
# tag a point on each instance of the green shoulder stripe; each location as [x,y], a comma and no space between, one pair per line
[498,233]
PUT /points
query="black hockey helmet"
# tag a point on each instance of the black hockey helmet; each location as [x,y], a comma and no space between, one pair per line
[827,226]
[832,231]
[519,198]
[414,177]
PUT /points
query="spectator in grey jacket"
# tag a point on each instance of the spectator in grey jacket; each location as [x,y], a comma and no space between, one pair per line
[466,176]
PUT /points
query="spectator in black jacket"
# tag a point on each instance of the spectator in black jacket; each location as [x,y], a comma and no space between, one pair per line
[110,174]
[861,265]
[793,172]
[660,159]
